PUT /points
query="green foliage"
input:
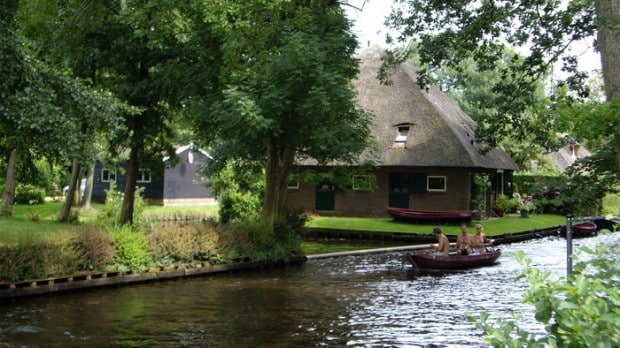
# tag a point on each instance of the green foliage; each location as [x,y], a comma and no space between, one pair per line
[29,194]
[239,188]
[110,214]
[451,32]
[236,205]
[581,310]
[291,95]
[131,248]
[479,194]
[505,204]
[262,240]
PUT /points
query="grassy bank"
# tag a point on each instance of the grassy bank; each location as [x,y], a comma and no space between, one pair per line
[41,220]
[492,227]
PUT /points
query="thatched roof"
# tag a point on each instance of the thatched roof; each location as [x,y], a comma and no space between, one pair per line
[567,155]
[440,134]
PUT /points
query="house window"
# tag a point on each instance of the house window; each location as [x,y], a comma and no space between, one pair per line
[108,175]
[144,175]
[292,182]
[436,183]
[402,132]
[361,182]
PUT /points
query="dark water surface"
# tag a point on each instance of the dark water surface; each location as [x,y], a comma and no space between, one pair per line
[355,301]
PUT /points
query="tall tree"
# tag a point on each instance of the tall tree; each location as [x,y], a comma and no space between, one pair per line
[287,73]
[147,54]
[40,105]
[450,31]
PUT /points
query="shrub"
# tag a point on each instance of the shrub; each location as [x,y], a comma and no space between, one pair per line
[131,249]
[95,247]
[175,242]
[22,261]
[581,310]
[237,205]
[29,194]
[258,239]
[38,259]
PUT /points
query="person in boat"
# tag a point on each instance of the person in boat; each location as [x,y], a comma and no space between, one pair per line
[464,242]
[443,244]
[479,241]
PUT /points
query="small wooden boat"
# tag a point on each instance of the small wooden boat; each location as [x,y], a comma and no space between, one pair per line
[453,261]
[417,215]
[581,230]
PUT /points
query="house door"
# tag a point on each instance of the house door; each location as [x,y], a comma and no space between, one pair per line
[398,190]
[325,199]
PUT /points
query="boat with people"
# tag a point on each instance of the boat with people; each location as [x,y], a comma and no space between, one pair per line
[453,261]
[419,215]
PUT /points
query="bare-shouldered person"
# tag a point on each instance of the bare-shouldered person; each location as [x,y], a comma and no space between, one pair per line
[463,241]
[480,240]
[443,244]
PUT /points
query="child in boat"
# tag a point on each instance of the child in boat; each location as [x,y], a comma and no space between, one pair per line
[464,242]
[443,245]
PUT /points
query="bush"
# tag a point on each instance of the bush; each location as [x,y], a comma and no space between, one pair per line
[38,259]
[175,243]
[505,204]
[581,310]
[29,194]
[258,239]
[131,249]
[95,248]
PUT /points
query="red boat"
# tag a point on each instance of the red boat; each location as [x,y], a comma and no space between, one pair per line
[417,215]
[581,230]
[453,261]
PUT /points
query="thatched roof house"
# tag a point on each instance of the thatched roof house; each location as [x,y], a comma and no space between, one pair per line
[565,156]
[426,150]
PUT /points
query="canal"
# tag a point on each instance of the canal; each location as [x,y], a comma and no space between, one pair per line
[374,300]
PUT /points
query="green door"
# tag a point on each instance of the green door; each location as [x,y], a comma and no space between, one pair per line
[325,197]
[398,191]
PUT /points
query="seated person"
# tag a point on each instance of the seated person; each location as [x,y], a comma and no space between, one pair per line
[463,241]
[443,245]
[480,240]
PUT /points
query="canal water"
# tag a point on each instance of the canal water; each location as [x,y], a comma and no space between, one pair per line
[374,300]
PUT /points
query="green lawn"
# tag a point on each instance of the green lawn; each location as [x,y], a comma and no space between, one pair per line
[40,220]
[506,224]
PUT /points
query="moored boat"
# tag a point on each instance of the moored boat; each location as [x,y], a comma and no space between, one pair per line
[418,215]
[453,261]
[581,230]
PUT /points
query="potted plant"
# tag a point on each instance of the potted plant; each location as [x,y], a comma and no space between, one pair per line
[526,204]
[502,204]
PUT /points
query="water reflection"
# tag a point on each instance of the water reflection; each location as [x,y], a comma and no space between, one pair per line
[355,301]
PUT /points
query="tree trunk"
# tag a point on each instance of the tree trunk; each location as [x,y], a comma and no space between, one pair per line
[130,188]
[279,162]
[11,182]
[88,189]
[608,16]
[65,211]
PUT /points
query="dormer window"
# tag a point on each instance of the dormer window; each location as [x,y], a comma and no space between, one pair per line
[402,131]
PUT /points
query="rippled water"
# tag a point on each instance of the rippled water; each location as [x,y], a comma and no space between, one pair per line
[357,301]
